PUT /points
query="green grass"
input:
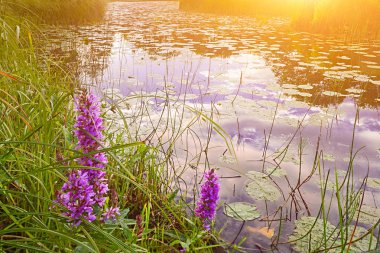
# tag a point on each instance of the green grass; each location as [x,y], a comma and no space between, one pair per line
[37,148]
[58,12]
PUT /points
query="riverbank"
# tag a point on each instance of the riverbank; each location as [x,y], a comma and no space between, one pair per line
[359,18]
[39,155]
[59,12]
[287,120]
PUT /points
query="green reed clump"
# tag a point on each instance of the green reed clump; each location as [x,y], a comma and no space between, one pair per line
[37,150]
[57,11]
[352,17]
[239,7]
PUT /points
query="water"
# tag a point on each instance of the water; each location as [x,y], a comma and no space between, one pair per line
[246,72]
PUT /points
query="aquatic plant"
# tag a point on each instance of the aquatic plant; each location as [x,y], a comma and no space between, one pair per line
[207,203]
[36,149]
[87,187]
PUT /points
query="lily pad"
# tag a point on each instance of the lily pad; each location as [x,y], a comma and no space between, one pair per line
[331,93]
[276,172]
[369,215]
[329,185]
[373,66]
[328,157]
[261,187]
[241,211]
[305,87]
[373,183]
[227,159]
[364,244]
[312,234]
[353,90]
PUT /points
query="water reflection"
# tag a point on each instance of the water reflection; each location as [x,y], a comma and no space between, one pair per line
[328,64]
[331,68]
[248,72]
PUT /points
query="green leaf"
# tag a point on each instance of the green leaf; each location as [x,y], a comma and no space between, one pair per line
[276,172]
[312,234]
[369,215]
[373,183]
[241,211]
[261,187]
[82,249]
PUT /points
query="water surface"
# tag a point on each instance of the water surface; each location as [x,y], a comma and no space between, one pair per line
[258,79]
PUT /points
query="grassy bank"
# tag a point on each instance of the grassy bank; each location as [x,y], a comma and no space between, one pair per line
[38,150]
[56,11]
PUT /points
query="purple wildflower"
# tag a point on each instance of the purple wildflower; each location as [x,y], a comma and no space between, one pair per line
[206,205]
[77,196]
[86,188]
[111,214]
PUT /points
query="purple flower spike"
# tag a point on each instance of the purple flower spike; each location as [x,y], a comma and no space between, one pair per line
[207,203]
[86,188]
[77,196]
[111,214]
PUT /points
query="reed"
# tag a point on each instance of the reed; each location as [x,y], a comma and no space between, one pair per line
[37,149]
[356,17]
[58,12]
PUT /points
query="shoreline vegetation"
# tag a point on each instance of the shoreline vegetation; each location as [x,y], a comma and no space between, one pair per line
[40,177]
[356,17]
[57,11]
[143,207]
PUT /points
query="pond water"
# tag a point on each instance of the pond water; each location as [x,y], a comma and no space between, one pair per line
[277,93]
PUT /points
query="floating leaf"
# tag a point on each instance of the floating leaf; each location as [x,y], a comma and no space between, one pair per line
[328,157]
[290,156]
[317,235]
[227,159]
[241,211]
[364,244]
[353,90]
[329,185]
[305,87]
[261,187]
[276,172]
[369,215]
[373,183]
[331,93]
[373,66]
[312,234]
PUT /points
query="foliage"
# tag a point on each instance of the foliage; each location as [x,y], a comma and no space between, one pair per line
[354,17]
[241,211]
[57,11]
[37,149]
[261,187]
